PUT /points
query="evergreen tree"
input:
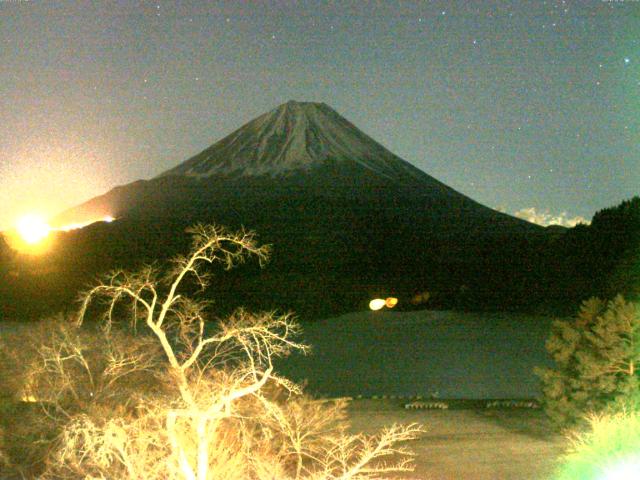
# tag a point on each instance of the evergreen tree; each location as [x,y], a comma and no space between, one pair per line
[614,248]
[596,358]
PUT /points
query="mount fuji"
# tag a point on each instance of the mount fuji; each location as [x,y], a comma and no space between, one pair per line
[347,219]
[296,137]
[297,148]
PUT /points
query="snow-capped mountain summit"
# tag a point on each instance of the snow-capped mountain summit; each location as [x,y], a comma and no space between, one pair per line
[298,152]
[294,137]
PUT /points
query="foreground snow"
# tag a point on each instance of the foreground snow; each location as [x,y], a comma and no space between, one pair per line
[470,444]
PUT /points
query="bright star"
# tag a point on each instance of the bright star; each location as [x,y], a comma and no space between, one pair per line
[627,60]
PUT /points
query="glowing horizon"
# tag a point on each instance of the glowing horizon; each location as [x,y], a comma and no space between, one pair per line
[33,228]
[31,232]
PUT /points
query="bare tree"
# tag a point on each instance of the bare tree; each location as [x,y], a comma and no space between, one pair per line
[222,411]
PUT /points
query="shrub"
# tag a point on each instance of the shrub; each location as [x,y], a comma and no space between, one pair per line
[596,359]
[609,449]
[54,370]
[5,461]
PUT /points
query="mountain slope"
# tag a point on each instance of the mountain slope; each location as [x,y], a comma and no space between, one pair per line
[295,137]
[295,149]
[347,220]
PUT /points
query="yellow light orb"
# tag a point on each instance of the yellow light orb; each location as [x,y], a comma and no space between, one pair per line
[377,304]
[32,229]
[391,302]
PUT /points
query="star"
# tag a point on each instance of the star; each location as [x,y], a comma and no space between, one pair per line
[627,60]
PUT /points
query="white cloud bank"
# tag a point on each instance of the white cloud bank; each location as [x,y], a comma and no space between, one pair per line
[545,218]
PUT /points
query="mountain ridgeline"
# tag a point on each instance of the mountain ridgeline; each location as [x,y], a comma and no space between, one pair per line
[348,220]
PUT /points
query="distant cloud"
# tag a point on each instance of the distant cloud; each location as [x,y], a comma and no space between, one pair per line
[545,218]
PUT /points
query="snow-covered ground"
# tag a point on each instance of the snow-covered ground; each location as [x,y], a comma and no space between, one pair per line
[451,354]
[469,444]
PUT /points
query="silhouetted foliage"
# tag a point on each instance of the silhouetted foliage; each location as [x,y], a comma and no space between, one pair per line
[596,358]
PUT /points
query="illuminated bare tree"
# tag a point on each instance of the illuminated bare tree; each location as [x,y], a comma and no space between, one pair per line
[230,415]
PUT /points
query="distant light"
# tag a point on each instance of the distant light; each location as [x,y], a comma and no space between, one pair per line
[627,60]
[33,229]
[76,226]
[72,226]
[391,302]
[377,304]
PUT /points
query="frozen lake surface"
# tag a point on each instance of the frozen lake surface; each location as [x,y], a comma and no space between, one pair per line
[451,354]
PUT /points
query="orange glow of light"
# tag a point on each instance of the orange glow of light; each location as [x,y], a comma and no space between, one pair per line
[76,226]
[391,302]
[31,235]
[33,229]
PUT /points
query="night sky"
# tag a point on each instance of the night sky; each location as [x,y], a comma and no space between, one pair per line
[519,105]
